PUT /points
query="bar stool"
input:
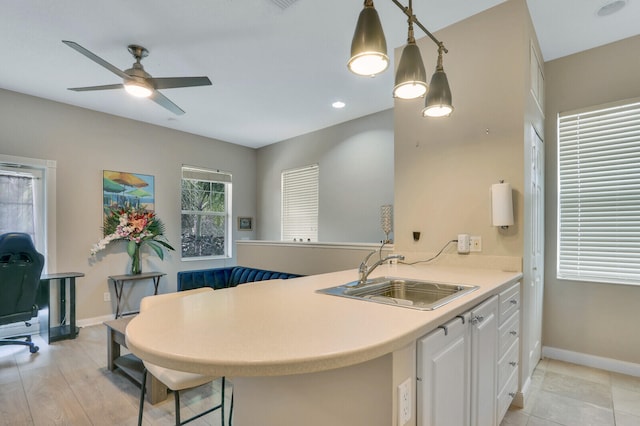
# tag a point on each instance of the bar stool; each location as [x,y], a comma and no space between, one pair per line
[173,379]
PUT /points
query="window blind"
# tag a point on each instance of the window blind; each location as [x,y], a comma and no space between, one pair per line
[599,194]
[300,203]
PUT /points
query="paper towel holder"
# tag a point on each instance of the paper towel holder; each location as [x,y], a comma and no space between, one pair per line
[501,205]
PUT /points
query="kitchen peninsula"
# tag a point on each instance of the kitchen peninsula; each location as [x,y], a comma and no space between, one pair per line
[295,356]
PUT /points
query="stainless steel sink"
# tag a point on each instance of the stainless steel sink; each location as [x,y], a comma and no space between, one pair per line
[415,294]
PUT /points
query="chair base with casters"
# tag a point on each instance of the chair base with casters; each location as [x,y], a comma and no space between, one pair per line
[177,381]
[14,341]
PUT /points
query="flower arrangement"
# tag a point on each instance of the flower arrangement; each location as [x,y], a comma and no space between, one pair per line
[137,227]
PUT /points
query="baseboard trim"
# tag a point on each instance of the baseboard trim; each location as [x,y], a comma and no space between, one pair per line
[94,321]
[608,364]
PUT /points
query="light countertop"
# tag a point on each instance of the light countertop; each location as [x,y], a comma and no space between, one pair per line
[282,327]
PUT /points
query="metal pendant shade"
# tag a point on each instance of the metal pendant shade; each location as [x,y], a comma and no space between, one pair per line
[368,47]
[438,100]
[411,77]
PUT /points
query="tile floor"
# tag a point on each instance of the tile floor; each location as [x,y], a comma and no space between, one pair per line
[573,395]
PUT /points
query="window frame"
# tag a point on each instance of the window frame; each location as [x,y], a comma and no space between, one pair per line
[46,203]
[212,176]
[596,167]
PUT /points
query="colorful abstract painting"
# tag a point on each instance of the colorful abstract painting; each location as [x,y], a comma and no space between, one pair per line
[127,190]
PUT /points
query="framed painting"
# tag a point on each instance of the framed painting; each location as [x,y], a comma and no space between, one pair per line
[245,223]
[127,190]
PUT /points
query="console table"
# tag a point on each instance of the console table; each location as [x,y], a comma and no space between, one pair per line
[119,280]
[63,330]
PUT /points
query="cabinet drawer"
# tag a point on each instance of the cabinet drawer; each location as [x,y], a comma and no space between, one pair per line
[509,302]
[508,364]
[508,333]
[505,397]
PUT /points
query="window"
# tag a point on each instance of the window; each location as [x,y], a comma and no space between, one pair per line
[22,201]
[206,209]
[599,194]
[300,204]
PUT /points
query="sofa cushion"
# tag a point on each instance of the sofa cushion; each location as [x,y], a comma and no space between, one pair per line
[226,277]
[242,275]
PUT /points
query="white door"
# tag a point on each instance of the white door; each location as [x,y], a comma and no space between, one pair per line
[443,375]
[536,274]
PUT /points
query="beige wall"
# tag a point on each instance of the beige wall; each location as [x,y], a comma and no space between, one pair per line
[83,143]
[444,167]
[590,318]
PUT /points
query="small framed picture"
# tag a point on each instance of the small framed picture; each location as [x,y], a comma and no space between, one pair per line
[245,223]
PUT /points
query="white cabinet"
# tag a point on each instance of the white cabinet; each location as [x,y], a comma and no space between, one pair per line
[484,362]
[443,375]
[508,348]
[467,369]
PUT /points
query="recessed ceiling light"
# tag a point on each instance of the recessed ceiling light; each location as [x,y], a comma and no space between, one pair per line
[338,104]
[611,7]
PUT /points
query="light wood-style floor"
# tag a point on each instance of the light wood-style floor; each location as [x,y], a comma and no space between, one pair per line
[68,383]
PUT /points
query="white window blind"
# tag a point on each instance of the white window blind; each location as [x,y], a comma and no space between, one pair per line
[300,203]
[599,194]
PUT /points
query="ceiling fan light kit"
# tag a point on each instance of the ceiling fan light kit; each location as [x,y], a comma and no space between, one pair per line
[136,81]
[368,48]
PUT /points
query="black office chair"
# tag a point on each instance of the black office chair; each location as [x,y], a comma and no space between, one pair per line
[20,269]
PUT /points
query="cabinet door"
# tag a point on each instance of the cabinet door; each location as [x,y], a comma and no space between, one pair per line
[484,361]
[443,375]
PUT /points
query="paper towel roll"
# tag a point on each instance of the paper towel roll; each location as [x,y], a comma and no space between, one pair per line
[501,204]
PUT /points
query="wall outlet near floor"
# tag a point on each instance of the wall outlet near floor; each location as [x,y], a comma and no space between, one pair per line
[106,296]
[475,243]
[404,402]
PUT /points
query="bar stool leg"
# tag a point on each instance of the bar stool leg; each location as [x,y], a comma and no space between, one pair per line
[142,391]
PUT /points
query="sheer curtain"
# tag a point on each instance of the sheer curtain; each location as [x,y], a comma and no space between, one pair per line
[17,204]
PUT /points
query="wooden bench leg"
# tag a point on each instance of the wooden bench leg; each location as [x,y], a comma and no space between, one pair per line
[156,390]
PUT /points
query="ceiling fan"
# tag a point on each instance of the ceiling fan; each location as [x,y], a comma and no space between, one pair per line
[137,81]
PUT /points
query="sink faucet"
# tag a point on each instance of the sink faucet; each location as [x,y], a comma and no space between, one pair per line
[364,270]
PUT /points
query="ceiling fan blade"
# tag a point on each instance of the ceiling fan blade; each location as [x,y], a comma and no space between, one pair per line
[174,82]
[164,102]
[89,88]
[95,58]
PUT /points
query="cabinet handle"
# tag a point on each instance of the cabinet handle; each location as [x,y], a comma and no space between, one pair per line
[477,319]
[513,333]
[513,363]
[512,394]
[513,301]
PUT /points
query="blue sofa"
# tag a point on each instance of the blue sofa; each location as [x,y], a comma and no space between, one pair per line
[226,277]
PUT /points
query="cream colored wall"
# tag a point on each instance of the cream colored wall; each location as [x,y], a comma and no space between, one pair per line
[589,318]
[444,167]
[83,143]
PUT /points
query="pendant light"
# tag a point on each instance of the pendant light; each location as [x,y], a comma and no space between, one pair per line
[368,47]
[438,100]
[411,78]
[369,57]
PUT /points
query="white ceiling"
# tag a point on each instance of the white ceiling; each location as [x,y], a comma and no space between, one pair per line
[275,71]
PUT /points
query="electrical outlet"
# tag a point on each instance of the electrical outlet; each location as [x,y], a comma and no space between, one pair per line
[475,243]
[404,402]
[107,297]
